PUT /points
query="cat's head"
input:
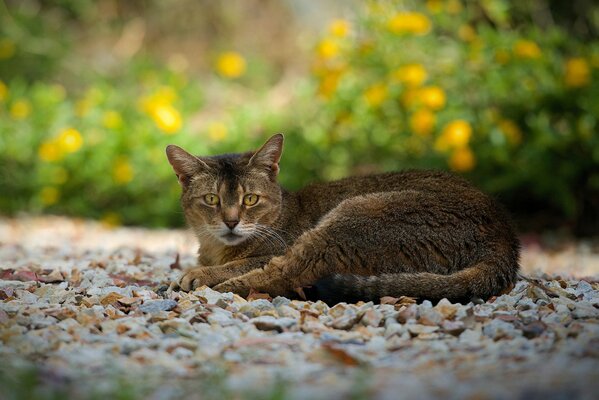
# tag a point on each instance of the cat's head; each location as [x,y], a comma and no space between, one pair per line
[232,196]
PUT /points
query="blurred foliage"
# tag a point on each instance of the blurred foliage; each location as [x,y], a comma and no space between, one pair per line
[504,92]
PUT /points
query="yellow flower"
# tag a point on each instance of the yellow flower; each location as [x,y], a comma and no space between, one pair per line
[502,56]
[409,22]
[510,130]
[422,122]
[432,97]
[467,33]
[527,49]
[217,131]
[49,195]
[327,49]
[20,109]
[167,118]
[434,6]
[3,91]
[455,134]
[339,28]
[122,171]
[49,151]
[69,140]
[577,72]
[7,48]
[230,65]
[112,120]
[111,219]
[454,6]
[375,95]
[411,74]
[462,160]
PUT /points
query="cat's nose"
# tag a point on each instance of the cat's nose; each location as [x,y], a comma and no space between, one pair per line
[231,224]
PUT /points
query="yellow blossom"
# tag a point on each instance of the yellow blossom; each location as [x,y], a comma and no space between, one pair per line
[69,140]
[167,118]
[467,33]
[411,74]
[82,107]
[422,122]
[327,48]
[462,160]
[434,6]
[339,28]
[409,22]
[502,56]
[577,72]
[3,91]
[454,6]
[230,65]
[527,49]
[510,130]
[7,48]
[122,171]
[112,120]
[455,134]
[49,151]
[217,131]
[49,195]
[20,109]
[328,84]
[111,219]
[432,97]
[375,95]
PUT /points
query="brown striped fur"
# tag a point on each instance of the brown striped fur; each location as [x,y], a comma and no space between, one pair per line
[426,234]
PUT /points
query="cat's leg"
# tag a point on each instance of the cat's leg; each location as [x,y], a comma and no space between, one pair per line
[212,275]
[319,252]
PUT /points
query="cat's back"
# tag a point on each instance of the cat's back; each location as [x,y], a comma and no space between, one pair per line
[319,198]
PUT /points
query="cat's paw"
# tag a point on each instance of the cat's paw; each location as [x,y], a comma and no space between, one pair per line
[195,278]
[235,285]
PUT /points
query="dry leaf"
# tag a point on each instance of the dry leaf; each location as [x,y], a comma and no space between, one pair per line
[128,301]
[53,277]
[110,298]
[340,354]
[254,295]
[176,264]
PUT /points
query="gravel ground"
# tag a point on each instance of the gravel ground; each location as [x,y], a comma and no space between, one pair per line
[79,316]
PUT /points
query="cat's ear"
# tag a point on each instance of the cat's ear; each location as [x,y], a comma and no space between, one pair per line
[183,163]
[268,156]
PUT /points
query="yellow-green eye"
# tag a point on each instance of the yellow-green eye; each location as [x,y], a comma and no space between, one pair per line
[250,199]
[211,199]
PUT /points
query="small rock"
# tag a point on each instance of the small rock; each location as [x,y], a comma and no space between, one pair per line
[268,323]
[430,316]
[372,317]
[416,329]
[454,328]
[498,329]
[155,306]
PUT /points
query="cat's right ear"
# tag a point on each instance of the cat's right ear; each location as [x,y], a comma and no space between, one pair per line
[183,163]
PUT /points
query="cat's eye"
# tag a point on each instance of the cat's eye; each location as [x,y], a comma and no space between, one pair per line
[211,199]
[250,199]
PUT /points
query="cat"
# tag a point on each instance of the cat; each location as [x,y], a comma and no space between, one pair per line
[418,233]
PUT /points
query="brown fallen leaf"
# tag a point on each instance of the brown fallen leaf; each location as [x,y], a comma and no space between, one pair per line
[389,300]
[254,295]
[127,301]
[53,277]
[339,354]
[176,265]
[137,259]
[110,298]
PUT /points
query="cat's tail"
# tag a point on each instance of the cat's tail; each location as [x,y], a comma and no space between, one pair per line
[479,281]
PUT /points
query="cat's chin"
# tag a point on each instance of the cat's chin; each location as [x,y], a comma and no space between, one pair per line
[231,239]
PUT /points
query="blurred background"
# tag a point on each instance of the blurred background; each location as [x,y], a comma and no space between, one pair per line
[503,92]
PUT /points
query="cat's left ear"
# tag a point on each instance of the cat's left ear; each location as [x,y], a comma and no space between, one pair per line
[268,156]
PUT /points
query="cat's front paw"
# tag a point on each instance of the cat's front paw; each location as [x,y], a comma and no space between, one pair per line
[195,278]
[235,285]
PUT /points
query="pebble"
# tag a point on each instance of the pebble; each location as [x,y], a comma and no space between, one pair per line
[155,306]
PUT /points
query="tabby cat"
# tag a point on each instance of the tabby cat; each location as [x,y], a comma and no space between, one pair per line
[425,234]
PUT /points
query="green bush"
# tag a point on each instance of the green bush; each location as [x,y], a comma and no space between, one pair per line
[475,87]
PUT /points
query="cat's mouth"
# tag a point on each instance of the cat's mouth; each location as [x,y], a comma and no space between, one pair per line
[231,238]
